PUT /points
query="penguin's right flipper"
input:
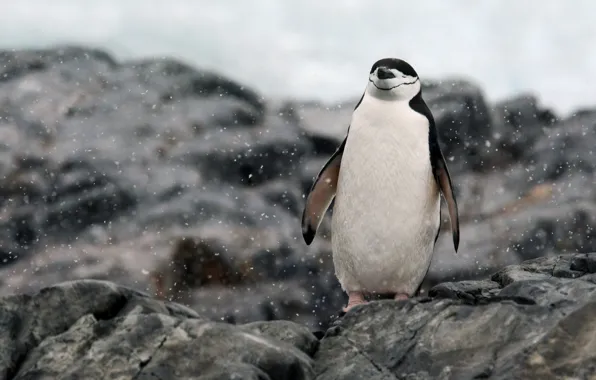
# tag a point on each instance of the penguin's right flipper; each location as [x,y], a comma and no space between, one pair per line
[321,195]
[444,181]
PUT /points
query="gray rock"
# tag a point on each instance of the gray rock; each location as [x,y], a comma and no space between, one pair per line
[464,122]
[518,123]
[246,157]
[565,150]
[98,330]
[539,206]
[467,291]
[528,323]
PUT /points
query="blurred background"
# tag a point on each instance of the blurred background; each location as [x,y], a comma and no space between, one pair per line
[169,145]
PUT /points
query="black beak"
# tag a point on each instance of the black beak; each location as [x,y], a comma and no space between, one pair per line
[384,73]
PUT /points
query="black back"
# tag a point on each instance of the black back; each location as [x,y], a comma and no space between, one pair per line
[419,105]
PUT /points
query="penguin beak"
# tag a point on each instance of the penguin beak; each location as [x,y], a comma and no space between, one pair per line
[384,73]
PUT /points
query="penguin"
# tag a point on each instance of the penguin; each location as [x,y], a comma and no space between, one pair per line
[386,180]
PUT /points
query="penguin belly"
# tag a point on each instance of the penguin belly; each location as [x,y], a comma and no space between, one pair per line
[386,214]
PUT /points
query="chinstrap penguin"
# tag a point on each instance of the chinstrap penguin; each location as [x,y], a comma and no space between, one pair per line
[386,177]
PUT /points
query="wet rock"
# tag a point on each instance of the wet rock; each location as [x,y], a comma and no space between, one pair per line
[102,330]
[473,291]
[296,335]
[530,325]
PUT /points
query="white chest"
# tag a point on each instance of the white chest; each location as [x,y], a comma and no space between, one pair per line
[395,119]
[387,149]
[387,207]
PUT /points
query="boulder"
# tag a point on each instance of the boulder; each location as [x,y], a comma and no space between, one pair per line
[529,321]
[99,330]
[534,320]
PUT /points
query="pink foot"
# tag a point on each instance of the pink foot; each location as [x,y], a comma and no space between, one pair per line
[401,297]
[355,298]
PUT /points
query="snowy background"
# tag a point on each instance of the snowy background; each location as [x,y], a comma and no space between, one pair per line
[322,49]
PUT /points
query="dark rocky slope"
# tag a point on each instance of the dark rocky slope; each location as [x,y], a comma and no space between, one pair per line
[529,321]
[106,165]
[97,330]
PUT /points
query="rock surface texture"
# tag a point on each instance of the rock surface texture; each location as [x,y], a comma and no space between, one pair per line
[536,320]
[530,321]
[105,166]
[97,330]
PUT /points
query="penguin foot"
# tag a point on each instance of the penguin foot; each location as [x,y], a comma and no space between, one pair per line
[354,298]
[401,297]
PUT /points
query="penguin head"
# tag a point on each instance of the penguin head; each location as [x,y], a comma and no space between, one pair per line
[393,79]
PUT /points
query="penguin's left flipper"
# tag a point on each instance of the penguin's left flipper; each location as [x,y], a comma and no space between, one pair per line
[321,195]
[443,178]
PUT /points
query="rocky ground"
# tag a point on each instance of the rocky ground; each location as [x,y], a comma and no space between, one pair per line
[107,168]
[528,321]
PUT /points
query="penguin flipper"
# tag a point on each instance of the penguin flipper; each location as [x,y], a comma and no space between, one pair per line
[440,171]
[444,181]
[321,195]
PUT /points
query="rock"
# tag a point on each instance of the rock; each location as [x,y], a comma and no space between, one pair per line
[518,123]
[525,210]
[175,80]
[289,332]
[248,157]
[463,120]
[263,301]
[252,277]
[18,63]
[194,263]
[109,153]
[471,291]
[552,225]
[532,321]
[99,330]
[275,280]
[565,150]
